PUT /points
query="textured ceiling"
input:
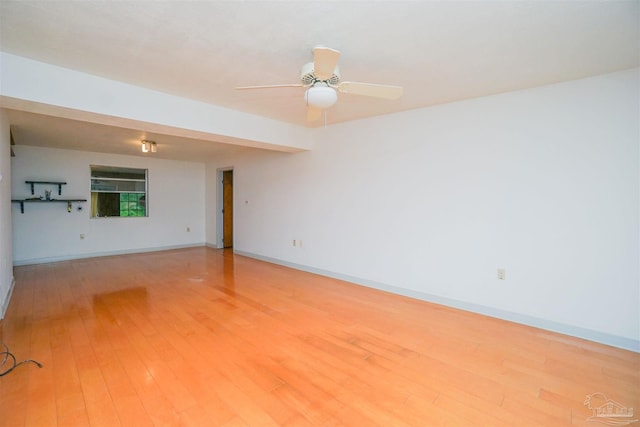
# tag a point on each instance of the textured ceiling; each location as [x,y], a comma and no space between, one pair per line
[439,51]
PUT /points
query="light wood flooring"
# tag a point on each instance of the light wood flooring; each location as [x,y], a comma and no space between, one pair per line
[204,337]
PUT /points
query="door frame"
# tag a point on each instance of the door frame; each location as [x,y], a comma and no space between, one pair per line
[219,206]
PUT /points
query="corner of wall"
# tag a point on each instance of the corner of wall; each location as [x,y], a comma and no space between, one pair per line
[7,298]
[6,244]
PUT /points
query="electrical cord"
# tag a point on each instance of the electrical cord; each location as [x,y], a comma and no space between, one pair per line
[8,355]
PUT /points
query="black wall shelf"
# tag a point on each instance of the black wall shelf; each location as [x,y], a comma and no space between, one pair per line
[58,183]
[47,200]
[67,201]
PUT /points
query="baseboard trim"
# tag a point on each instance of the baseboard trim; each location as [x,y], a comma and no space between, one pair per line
[5,302]
[101,254]
[548,325]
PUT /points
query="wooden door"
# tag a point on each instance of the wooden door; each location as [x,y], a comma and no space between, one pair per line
[227,209]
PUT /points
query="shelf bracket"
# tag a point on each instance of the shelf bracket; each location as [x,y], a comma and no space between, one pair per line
[32,189]
[22,205]
[59,189]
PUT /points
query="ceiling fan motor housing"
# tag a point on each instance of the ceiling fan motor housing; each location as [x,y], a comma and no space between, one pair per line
[308,77]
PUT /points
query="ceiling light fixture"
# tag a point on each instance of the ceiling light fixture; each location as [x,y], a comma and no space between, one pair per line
[321,96]
[148,146]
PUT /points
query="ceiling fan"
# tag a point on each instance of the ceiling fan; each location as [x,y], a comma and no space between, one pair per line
[321,78]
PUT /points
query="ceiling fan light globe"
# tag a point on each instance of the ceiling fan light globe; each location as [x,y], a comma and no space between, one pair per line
[321,96]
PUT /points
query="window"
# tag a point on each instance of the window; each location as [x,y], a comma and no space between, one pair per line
[118,192]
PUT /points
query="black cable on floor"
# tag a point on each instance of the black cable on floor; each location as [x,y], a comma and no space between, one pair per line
[8,355]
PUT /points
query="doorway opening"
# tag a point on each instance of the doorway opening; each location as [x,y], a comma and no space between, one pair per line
[225,211]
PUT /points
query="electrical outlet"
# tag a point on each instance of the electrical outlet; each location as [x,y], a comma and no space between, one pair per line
[188,229]
[502,274]
[294,242]
[81,236]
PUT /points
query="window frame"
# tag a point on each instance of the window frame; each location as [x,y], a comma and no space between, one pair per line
[118,180]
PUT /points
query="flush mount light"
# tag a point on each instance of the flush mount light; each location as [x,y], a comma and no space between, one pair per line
[148,146]
[321,96]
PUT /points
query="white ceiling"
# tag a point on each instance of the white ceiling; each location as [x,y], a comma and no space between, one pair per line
[439,51]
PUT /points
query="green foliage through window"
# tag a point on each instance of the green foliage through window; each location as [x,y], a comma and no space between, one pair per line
[132,204]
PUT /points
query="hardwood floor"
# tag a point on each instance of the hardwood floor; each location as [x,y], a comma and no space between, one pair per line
[206,338]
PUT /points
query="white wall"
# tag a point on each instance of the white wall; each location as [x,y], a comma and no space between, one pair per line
[430,202]
[6,264]
[47,232]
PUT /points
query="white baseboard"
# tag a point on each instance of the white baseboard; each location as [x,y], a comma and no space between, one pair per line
[5,301]
[101,254]
[549,325]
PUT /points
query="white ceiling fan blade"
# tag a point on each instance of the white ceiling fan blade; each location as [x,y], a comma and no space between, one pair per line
[370,89]
[313,113]
[269,86]
[324,62]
